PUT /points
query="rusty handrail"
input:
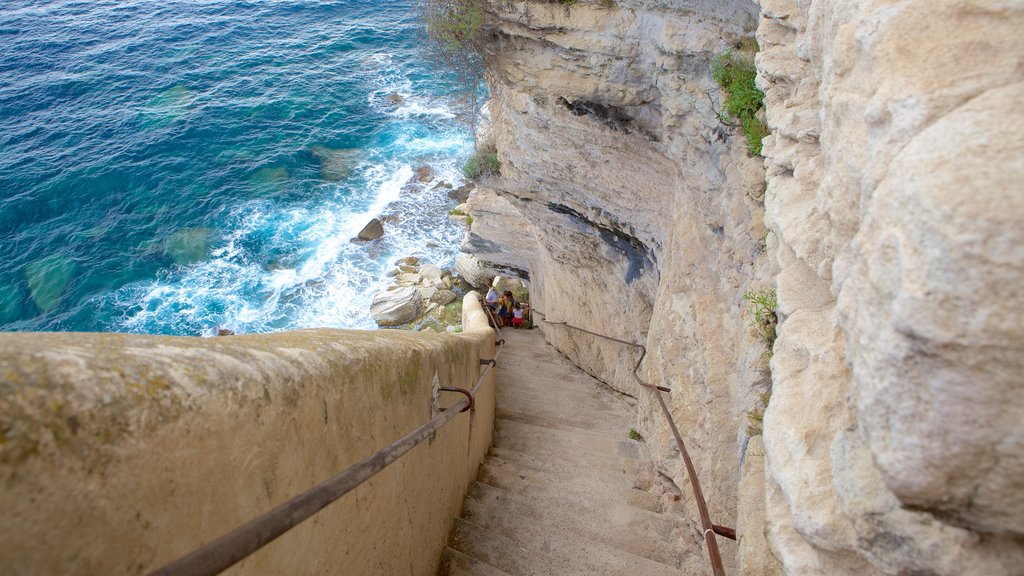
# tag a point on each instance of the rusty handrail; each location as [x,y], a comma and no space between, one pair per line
[241,542]
[698,494]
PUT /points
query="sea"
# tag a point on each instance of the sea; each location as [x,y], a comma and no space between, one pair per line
[183,166]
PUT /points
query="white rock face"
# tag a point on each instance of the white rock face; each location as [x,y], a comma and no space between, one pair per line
[396,307]
[897,216]
[473,270]
[633,211]
[430,272]
[893,440]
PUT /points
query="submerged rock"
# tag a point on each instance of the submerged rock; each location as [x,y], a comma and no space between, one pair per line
[189,245]
[374,229]
[335,163]
[168,106]
[396,307]
[47,280]
[424,174]
[270,180]
[396,99]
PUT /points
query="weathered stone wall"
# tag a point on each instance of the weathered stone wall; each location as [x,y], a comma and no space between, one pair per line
[120,453]
[894,439]
[634,210]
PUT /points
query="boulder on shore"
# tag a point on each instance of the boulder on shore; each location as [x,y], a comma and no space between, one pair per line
[396,307]
[461,194]
[373,230]
[443,297]
[430,272]
[473,271]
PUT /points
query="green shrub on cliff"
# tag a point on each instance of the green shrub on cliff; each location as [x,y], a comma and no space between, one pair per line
[736,75]
[482,163]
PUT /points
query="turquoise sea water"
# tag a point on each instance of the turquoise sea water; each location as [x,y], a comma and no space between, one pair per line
[175,166]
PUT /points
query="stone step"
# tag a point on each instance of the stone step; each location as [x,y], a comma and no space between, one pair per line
[588,449]
[501,552]
[523,479]
[616,525]
[625,467]
[455,563]
[564,471]
[553,551]
[576,414]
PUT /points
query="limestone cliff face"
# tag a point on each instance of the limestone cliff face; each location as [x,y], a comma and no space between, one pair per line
[896,209]
[633,209]
[893,440]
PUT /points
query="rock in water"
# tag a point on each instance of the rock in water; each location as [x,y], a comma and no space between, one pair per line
[424,174]
[270,180]
[335,164]
[409,261]
[396,307]
[47,279]
[189,245]
[373,230]
[165,108]
[461,194]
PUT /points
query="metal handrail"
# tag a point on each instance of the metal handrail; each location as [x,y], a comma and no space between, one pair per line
[702,507]
[241,542]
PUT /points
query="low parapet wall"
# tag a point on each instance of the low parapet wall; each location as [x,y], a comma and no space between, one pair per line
[120,453]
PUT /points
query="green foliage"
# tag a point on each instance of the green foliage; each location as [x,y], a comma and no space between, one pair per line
[754,130]
[482,163]
[634,435]
[763,318]
[521,294]
[455,39]
[469,220]
[736,75]
[455,24]
[456,212]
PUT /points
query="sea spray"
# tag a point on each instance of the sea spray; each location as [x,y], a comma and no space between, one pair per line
[178,179]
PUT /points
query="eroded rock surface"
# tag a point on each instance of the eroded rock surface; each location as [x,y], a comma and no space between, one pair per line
[894,237]
[894,174]
[396,307]
[633,211]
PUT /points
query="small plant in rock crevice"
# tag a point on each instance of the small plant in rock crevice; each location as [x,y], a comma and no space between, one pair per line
[634,435]
[743,99]
[763,320]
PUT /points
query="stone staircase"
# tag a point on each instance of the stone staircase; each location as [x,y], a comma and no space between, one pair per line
[563,490]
